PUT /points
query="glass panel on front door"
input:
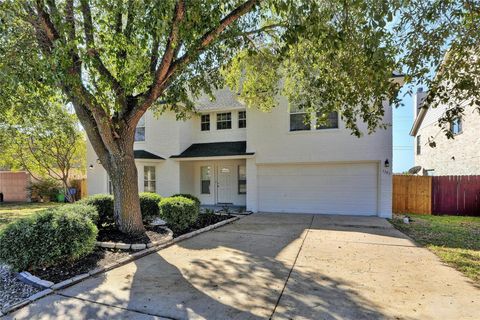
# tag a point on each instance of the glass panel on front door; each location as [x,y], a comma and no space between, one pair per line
[205,177]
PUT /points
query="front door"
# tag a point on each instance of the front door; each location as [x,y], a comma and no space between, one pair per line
[226,184]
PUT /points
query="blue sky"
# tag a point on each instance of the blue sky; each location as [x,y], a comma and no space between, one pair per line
[403,157]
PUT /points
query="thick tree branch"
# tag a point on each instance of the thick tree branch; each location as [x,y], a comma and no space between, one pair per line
[93,53]
[172,44]
[161,83]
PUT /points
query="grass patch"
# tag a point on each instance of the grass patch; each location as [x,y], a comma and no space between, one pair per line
[10,212]
[455,239]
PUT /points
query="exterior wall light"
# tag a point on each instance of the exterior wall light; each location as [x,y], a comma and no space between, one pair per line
[387,163]
[90,167]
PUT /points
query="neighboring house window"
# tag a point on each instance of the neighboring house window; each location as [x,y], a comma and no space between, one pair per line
[456,126]
[332,121]
[205,178]
[419,145]
[242,179]
[205,122]
[224,120]
[140,130]
[149,178]
[242,119]
[298,119]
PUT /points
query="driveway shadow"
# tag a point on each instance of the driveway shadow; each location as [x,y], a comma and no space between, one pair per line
[236,272]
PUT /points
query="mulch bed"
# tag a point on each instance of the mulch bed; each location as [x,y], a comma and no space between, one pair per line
[101,257]
[110,233]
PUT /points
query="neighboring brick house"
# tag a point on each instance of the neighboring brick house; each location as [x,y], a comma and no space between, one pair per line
[14,186]
[458,156]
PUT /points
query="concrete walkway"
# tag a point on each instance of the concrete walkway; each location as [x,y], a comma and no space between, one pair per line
[275,266]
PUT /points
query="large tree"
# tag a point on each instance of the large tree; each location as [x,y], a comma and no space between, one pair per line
[114,60]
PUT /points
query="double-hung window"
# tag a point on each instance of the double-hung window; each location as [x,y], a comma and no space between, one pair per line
[242,119]
[299,119]
[205,122]
[149,180]
[224,120]
[327,121]
[140,130]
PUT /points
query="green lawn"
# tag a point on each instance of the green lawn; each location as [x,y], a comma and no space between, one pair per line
[456,240]
[10,212]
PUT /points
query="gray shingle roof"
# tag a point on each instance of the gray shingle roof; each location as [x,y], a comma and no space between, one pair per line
[225,99]
[215,149]
[142,154]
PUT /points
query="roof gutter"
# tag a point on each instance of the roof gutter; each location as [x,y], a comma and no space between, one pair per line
[419,120]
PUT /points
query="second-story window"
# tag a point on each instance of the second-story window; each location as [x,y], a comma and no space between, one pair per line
[242,119]
[140,130]
[456,126]
[224,120]
[205,122]
[299,119]
[327,121]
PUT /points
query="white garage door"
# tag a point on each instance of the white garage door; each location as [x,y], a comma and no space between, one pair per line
[318,188]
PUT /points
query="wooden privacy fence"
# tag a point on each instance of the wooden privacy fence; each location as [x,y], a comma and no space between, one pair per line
[456,195]
[452,195]
[412,194]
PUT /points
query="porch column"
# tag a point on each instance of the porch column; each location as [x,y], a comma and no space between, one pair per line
[252,191]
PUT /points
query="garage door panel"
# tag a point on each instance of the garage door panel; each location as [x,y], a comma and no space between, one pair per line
[319,188]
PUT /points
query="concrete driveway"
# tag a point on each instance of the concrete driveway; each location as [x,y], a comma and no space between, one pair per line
[280,266]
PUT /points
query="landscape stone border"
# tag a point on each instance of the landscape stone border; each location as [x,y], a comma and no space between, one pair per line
[50,287]
[135,246]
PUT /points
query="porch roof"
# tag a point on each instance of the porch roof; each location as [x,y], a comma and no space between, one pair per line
[215,149]
[142,154]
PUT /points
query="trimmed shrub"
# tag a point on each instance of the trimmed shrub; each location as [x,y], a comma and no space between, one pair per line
[179,212]
[104,205]
[47,238]
[188,196]
[149,206]
[84,210]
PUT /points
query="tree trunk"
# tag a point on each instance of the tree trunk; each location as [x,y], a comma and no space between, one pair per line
[123,175]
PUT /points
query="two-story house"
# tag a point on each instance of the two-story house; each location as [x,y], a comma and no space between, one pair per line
[266,161]
[434,152]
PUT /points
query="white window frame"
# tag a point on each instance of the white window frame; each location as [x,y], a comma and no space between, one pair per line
[206,122]
[457,122]
[147,179]
[227,120]
[312,124]
[141,124]
[244,119]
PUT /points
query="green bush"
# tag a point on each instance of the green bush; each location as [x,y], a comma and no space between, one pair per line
[50,237]
[104,205]
[149,206]
[188,196]
[179,212]
[84,210]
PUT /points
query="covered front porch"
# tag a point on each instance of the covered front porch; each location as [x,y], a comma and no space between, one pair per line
[215,173]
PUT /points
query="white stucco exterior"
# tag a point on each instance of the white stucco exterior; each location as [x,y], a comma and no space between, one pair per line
[316,171]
